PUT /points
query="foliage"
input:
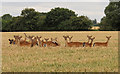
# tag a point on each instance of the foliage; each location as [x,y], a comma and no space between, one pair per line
[112,12]
[56,16]
[76,23]
[56,19]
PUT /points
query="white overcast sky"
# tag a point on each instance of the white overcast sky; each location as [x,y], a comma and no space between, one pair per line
[94,9]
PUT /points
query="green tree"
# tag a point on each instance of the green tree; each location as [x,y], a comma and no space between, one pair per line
[76,23]
[56,16]
[112,12]
[6,19]
[104,25]
[31,20]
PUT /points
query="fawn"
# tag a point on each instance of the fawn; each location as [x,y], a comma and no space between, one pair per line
[102,43]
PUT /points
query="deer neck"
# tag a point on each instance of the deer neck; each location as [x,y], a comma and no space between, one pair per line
[91,43]
[66,42]
[88,40]
[107,41]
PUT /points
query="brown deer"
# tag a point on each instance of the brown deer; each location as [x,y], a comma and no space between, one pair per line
[39,41]
[102,43]
[12,41]
[49,43]
[31,39]
[89,44]
[17,38]
[28,37]
[20,42]
[70,38]
[72,44]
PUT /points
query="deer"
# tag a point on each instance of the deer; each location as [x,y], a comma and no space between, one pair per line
[72,44]
[53,42]
[47,43]
[31,39]
[89,44]
[89,38]
[21,42]
[39,41]
[28,37]
[102,43]
[12,41]
[17,38]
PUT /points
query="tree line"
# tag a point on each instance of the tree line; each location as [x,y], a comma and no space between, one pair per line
[60,19]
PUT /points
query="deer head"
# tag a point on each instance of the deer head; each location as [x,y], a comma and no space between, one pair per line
[46,39]
[70,38]
[11,41]
[54,40]
[89,37]
[39,38]
[65,37]
[108,37]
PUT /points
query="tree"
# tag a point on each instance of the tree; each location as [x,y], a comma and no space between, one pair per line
[76,23]
[31,20]
[104,25]
[56,16]
[112,12]
[6,19]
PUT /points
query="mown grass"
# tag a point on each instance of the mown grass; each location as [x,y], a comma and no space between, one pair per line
[61,59]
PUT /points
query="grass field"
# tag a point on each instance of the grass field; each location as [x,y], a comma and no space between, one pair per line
[61,59]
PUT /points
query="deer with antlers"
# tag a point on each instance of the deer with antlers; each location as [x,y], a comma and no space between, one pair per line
[102,43]
[71,44]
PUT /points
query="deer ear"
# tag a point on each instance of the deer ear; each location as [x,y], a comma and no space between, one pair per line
[71,36]
[55,37]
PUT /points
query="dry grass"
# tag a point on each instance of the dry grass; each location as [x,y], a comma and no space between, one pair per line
[61,59]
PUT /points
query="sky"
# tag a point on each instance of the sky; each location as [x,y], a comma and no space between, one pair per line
[93,9]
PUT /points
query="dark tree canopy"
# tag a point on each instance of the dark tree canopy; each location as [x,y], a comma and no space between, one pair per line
[112,12]
[56,19]
[57,15]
